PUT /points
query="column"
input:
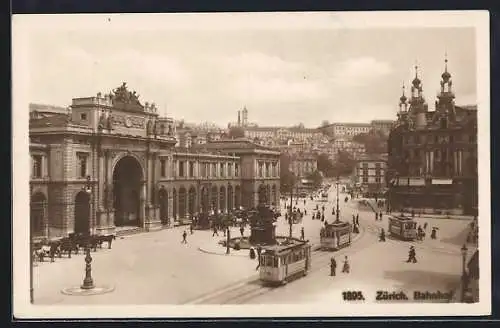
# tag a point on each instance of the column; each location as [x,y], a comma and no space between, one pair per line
[45,167]
[460,156]
[432,161]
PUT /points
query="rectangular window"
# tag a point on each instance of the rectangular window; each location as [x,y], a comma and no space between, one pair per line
[83,116]
[163,168]
[37,166]
[365,179]
[222,167]
[181,169]
[214,169]
[82,164]
[191,169]
[230,170]
[236,170]
[261,169]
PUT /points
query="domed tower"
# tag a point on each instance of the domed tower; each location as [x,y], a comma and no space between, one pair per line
[403,105]
[418,106]
[445,106]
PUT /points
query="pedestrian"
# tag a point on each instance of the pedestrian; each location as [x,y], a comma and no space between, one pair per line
[357,218]
[412,255]
[434,233]
[333,266]
[242,230]
[322,216]
[380,215]
[215,231]
[376,216]
[302,234]
[259,251]
[304,202]
[184,235]
[425,226]
[323,208]
[191,228]
[313,216]
[346,268]
[382,235]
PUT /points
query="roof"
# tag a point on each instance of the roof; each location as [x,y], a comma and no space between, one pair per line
[47,108]
[59,120]
[401,218]
[284,244]
[373,158]
[234,144]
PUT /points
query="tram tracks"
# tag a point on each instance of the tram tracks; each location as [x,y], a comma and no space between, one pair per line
[239,293]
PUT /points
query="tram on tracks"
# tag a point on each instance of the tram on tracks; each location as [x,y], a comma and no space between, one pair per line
[336,235]
[282,262]
[402,227]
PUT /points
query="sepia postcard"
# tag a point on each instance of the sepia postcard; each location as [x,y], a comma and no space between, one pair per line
[251,165]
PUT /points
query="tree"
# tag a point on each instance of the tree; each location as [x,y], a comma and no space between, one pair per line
[236,132]
[316,178]
[325,165]
[344,164]
[287,178]
[375,141]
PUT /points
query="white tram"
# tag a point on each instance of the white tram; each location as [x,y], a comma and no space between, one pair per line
[287,259]
[335,235]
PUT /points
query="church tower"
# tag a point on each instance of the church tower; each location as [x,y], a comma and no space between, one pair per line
[418,106]
[445,105]
[403,106]
[244,116]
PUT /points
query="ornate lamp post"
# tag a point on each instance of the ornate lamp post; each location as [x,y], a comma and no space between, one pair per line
[464,273]
[88,282]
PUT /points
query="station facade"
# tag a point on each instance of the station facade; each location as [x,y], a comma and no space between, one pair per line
[112,162]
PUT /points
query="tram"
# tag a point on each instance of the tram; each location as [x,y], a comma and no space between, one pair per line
[335,236]
[403,227]
[287,259]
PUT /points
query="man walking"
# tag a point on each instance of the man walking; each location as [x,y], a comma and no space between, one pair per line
[184,236]
[302,234]
[215,231]
[346,268]
[333,266]
[242,230]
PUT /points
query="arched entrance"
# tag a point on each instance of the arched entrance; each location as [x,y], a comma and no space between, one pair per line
[222,199]
[192,201]
[262,193]
[205,207]
[237,198]
[182,202]
[163,197]
[213,200]
[230,198]
[127,180]
[82,213]
[174,205]
[37,214]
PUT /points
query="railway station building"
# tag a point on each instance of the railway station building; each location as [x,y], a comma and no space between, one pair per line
[111,163]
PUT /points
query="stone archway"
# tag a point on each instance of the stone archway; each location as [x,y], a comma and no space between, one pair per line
[82,213]
[192,201]
[237,198]
[127,185]
[163,198]
[205,200]
[230,198]
[37,214]
[182,202]
[222,199]
[174,204]
[213,199]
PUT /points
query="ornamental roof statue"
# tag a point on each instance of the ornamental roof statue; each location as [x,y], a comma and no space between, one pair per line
[126,100]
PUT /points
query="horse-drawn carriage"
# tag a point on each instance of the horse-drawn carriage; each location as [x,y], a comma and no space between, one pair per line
[50,248]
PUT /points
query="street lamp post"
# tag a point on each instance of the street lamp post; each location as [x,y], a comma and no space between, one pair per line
[228,234]
[464,273]
[88,282]
[337,214]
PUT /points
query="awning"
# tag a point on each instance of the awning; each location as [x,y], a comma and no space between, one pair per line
[442,181]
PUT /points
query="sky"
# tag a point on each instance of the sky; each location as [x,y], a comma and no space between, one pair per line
[284,76]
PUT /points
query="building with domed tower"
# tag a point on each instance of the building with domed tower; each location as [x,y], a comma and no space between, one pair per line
[432,155]
[111,163]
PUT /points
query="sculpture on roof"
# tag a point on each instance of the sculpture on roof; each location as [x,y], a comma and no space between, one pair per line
[123,96]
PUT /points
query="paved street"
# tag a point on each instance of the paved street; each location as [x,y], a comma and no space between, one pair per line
[156,268]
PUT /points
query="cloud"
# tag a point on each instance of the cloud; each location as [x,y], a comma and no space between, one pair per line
[360,71]
[260,64]
[276,89]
